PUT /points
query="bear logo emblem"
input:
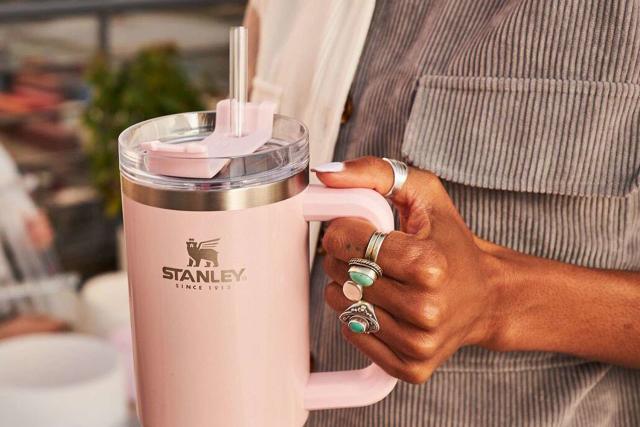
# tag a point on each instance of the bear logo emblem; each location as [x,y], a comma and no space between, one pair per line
[199,251]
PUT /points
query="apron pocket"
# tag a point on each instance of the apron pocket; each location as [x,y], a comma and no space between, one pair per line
[548,136]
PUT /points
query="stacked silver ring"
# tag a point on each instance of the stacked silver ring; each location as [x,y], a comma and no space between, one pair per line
[374,245]
[400,174]
[360,317]
[352,290]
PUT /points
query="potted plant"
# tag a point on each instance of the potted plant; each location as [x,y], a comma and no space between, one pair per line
[151,84]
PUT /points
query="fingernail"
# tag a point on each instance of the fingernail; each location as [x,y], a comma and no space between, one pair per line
[329,167]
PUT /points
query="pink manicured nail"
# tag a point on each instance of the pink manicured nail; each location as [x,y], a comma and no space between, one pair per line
[329,167]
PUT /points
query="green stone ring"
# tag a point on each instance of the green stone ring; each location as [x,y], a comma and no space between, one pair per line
[360,318]
[363,271]
[358,326]
[364,278]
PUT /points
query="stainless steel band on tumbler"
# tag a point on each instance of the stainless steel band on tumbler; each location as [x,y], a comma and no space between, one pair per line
[215,200]
[400,174]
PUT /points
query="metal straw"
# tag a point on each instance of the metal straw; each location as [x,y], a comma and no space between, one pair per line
[237,77]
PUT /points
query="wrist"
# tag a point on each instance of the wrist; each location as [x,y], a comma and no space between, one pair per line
[500,279]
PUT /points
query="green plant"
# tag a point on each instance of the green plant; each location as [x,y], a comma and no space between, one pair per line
[151,84]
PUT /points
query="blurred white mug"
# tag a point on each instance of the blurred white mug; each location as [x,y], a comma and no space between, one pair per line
[105,304]
[61,380]
[105,313]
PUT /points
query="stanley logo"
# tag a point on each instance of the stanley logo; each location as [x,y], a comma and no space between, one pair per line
[202,251]
[202,272]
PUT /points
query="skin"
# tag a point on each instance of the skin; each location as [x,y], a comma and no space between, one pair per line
[30,324]
[39,230]
[444,288]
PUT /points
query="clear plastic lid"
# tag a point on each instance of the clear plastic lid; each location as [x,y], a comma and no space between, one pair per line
[284,155]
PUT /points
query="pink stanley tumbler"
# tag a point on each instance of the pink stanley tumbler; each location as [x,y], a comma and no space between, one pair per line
[219,275]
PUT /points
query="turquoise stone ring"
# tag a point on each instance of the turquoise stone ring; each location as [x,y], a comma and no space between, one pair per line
[361,278]
[360,318]
[357,326]
[364,272]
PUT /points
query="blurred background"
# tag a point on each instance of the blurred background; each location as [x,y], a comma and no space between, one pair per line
[73,75]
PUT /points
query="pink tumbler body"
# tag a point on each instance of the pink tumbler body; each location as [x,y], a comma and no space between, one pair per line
[220,329]
[219,279]
[219,303]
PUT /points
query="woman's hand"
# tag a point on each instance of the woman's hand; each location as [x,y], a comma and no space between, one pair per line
[435,295]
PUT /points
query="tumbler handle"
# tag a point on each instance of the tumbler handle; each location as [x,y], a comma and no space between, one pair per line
[361,387]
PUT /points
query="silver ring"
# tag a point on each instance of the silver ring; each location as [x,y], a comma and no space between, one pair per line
[374,245]
[364,272]
[352,290]
[400,174]
[361,262]
[360,318]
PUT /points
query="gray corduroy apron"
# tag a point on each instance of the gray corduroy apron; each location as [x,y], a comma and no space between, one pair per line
[529,111]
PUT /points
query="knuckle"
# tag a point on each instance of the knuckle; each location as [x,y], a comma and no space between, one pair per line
[426,314]
[369,161]
[436,270]
[415,373]
[423,346]
[431,315]
[416,271]
[426,264]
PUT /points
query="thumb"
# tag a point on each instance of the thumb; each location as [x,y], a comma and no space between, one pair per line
[368,172]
